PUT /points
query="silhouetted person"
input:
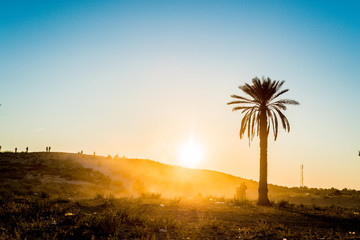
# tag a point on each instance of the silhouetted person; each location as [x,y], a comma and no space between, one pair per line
[15,150]
[27,149]
[47,149]
[0,148]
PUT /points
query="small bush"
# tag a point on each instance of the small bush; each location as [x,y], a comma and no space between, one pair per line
[139,187]
[283,204]
[241,191]
[150,195]
[241,202]
[175,201]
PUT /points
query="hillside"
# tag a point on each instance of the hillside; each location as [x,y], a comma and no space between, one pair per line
[49,174]
[172,181]
[75,196]
[137,175]
[80,175]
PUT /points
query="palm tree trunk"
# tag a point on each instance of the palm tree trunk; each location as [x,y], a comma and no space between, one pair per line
[263,189]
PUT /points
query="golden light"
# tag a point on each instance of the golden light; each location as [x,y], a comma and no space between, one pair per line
[190,154]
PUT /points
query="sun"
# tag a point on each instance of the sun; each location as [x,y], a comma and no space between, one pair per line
[190,154]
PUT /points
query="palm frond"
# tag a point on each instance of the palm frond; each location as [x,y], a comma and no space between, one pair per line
[240,97]
[253,126]
[248,109]
[279,105]
[283,119]
[238,108]
[262,92]
[287,101]
[238,102]
[271,117]
[243,123]
[276,126]
[278,94]
[251,91]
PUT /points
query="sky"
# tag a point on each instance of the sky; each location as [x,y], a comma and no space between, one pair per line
[141,78]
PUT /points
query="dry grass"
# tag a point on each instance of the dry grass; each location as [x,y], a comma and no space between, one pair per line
[52,196]
[157,218]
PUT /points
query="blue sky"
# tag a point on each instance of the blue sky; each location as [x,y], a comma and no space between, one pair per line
[137,78]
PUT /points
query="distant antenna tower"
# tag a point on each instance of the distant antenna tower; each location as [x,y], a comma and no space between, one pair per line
[301,176]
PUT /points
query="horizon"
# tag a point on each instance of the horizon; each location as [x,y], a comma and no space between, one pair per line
[142,78]
[176,166]
[116,156]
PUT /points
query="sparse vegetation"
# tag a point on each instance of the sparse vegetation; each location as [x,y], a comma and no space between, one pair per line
[41,173]
[241,192]
[143,218]
[53,196]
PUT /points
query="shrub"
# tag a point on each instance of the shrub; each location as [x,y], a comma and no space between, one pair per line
[241,202]
[175,201]
[241,191]
[138,187]
[150,195]
[283,204]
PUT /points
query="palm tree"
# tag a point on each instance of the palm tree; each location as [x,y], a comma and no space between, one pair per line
[262,111]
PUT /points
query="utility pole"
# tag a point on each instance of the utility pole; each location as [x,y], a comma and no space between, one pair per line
[301,175]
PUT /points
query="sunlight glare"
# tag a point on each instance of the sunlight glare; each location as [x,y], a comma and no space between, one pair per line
[190,154]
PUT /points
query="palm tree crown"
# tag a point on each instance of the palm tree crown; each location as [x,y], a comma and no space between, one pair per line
[263,93]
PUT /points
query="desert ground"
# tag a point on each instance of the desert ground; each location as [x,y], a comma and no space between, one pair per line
[78,196]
